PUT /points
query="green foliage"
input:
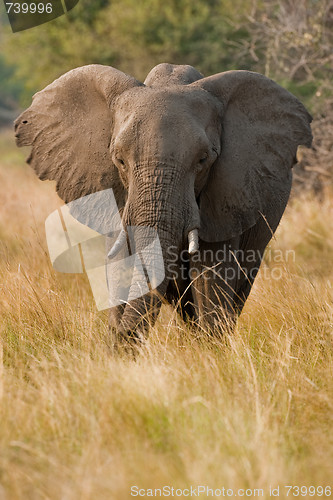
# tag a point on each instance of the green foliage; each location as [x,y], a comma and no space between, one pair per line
[134,36]
[290,42]
[10,88]
[153,31]
[304,90]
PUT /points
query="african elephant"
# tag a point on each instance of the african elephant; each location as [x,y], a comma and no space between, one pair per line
[206,162]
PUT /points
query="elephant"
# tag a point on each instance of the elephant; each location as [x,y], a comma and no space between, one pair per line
[204,161]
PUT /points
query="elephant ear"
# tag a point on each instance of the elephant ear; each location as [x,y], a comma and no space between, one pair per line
[262,126]
[165,75]
[69,126]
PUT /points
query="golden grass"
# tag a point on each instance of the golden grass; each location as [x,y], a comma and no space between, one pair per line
[249,411]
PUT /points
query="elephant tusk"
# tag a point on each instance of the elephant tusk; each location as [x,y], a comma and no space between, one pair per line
[193,241]
[118,244]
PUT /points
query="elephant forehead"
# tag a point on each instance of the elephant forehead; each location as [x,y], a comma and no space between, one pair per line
[176,105]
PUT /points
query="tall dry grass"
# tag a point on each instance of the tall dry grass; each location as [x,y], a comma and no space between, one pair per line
[253,410]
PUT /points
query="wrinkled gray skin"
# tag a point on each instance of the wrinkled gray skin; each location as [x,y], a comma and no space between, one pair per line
[180,152]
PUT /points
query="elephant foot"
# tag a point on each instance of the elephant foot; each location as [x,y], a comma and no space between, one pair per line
[125,343]
[218,323]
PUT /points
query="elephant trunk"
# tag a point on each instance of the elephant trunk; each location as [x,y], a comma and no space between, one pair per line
[156,207]
[142,308]
[152,231]
[149,282]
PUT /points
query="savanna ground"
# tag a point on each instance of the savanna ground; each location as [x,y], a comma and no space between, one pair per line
[252,410]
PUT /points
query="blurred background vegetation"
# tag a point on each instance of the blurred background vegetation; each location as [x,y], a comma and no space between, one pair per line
[291,42]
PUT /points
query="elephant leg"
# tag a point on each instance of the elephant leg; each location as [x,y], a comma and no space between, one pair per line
[179,292]
[226,273]
[252,247]
[183,301]
[115,314]
[214,273]
[242,293]
[116,342]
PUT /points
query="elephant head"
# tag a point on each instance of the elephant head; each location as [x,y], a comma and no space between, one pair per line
[186,155]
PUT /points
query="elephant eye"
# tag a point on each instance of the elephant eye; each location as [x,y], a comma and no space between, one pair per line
[203,161]
[121,163]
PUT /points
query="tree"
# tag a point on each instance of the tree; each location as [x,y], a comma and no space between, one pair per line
[292,43]
[131,35]
[286,40]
